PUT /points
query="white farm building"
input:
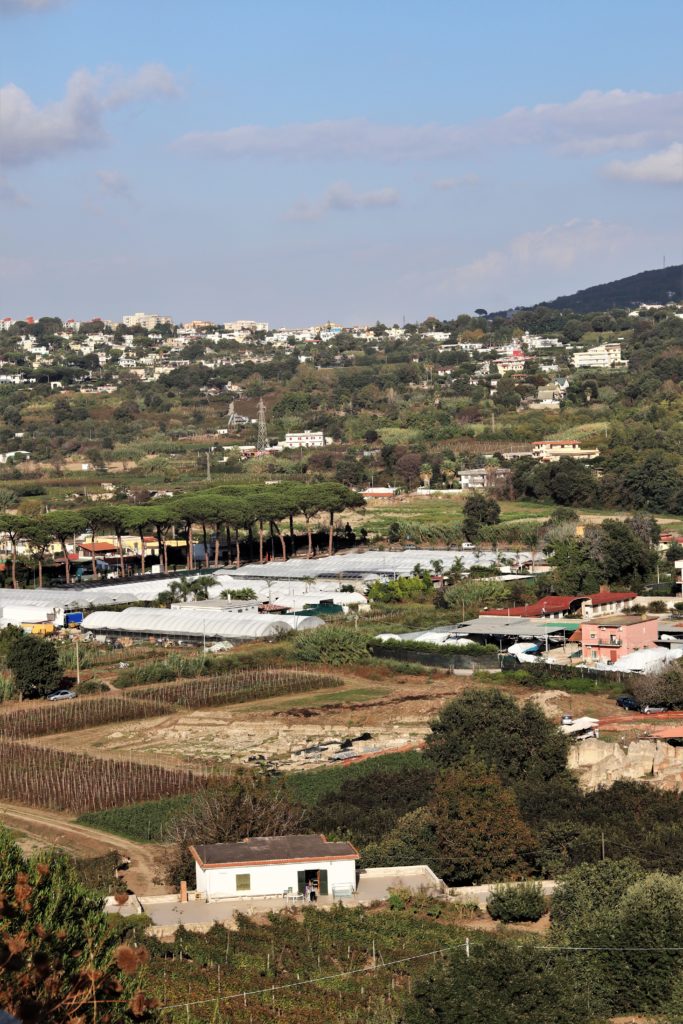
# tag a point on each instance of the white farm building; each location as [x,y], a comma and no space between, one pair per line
[275,866]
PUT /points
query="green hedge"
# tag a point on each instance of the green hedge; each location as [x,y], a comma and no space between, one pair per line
[523,902]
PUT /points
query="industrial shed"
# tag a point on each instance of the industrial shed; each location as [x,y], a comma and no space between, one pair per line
[178,624]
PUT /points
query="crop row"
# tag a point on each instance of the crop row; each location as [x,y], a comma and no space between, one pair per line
[72,716]
[63,781]
[233,689]
[160,699]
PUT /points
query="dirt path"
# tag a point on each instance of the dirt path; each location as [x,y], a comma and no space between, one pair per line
[641,719]
[46,828]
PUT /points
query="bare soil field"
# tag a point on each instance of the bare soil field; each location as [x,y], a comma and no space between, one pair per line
[390,713]
[374,709]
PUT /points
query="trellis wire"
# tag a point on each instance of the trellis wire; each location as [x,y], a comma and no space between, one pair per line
[232,689]
[70,716]
[65,781]
[158,699]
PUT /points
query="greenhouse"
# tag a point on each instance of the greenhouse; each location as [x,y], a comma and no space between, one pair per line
[177,624]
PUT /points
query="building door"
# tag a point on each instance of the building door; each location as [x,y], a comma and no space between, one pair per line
[301,881]
[322,884]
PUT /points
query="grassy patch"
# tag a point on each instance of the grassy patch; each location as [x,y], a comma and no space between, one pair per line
[308,788]
[341,695]
[143,823]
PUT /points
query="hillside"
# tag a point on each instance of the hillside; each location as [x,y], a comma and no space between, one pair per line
[657,286]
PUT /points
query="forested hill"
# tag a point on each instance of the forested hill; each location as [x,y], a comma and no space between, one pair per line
[656,286]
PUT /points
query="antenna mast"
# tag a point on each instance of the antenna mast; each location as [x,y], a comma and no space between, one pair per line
[262,434]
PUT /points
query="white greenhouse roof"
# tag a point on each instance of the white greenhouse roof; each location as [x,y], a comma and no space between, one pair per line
[171,622]
[649,659]
[380,563]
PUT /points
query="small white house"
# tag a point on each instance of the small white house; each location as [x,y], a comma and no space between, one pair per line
[275,866]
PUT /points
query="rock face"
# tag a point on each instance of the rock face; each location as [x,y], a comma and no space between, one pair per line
[600,764]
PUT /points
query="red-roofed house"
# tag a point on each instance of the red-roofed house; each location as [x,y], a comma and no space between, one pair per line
[607,602]
[98,548]
[551,607]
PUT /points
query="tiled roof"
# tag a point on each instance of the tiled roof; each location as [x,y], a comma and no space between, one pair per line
[608,597]
[545,606]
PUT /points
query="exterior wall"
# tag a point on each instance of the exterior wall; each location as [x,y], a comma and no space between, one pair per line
[589,610]
[304,439]
[271,879]
[608,643]
[551,451]
[478,479]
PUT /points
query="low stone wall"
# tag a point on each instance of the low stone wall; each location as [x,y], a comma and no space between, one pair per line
[600,764]
[479,894]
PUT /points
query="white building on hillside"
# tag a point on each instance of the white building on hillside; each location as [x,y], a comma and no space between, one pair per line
[602,357]
[147,320]
[553,451]
[275,866]
[305,439]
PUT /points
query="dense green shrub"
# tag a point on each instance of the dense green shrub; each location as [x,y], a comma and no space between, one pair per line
[334,645]
[471,650]
[34,665]
[90,686]
[510,903]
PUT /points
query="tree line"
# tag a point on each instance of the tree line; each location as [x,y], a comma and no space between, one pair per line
[227,514]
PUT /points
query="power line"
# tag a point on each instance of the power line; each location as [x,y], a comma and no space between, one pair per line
[313,981]
[467,946]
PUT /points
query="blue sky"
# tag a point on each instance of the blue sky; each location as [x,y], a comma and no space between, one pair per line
[299,162]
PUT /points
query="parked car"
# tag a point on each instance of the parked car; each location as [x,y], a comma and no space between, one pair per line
[628,703]
[61,695]
[567,720]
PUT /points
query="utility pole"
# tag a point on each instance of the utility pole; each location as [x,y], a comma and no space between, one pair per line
[78,664]
[208,467]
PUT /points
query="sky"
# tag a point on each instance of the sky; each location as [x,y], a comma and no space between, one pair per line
[300,161]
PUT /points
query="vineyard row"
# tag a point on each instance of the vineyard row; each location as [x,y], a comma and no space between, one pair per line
[158,699]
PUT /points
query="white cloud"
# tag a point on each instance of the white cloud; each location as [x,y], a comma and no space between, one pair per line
[446,184]
[149,80]
[341,196]
[23,6]
[31,133]
[541,263]
[594,122]
[115,184]
[663,168]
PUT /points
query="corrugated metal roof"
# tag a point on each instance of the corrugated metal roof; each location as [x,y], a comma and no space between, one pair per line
[400,563]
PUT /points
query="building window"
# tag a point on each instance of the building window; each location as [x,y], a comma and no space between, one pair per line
[243,883]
